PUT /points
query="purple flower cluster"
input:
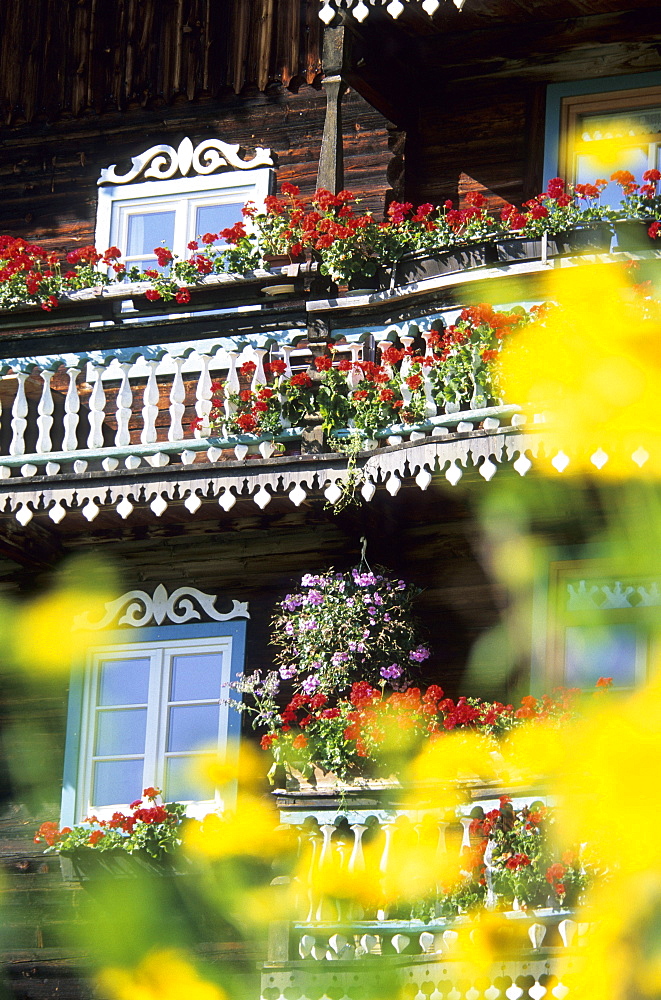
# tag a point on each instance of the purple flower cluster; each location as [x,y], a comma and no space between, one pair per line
[419,654]
[392,672]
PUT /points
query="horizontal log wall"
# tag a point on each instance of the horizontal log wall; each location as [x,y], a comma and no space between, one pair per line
[70,57]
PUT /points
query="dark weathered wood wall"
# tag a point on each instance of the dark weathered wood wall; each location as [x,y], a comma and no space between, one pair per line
[69,57]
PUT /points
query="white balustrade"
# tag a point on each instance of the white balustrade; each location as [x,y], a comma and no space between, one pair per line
[150,406]
[19,416]
[177,403]
[71,412]
[45,412]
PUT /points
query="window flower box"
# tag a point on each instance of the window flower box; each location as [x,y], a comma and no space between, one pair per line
[633,235]
[419,266]
[595,238]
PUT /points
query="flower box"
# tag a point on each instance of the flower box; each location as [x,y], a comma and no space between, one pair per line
[88,865]
[417,267]
[583,239]
[632,235]
[518,248]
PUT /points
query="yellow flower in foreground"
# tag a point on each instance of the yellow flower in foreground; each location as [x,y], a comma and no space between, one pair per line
[593,367]
[251,829]
[162,975]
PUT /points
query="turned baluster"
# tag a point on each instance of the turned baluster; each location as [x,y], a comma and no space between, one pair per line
[97,402]
[177,401]
[71,412]
[150,405]
[124,404]
[45,411]
[19,415]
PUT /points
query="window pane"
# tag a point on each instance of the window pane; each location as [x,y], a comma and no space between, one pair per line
[196,677]
[117,782]
[149,230]
[602,162]
[592,652]
[182,781]
[213,218]
[124,682]
[192,726]
[120,732]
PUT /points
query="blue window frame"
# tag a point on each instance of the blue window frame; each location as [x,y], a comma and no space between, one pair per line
[144,710]
[594,127]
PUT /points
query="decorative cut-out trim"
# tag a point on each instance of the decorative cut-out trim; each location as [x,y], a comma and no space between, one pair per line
[163,162]
[618,595]
[360,9]
[178,608]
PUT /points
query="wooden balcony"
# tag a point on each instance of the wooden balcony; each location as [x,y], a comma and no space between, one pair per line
[97,398]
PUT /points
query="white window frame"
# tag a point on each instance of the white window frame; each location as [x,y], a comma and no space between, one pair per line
[152,185]
[156,755]
[551,615]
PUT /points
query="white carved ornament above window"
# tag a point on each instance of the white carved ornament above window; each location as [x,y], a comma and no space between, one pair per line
[164,162]
[360,9]
[143,608]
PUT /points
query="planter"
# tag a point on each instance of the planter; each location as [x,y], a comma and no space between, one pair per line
[95,866]
[418,267]
[518,248]
[595,238]
[326,782]
[632,235]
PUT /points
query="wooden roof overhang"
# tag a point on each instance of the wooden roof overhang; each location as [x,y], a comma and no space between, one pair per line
[199,477]
[405,55]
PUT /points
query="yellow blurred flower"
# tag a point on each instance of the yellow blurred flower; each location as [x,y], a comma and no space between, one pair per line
[251,829]
[592,366]
[162,975]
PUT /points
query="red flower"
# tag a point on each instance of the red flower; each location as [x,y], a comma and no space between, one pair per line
[289,189]
[414,382]
[277,367]
[489,355]
[48,832]
[209,238]
[517,861]
[152,294]
[151,793]
[654,230]
[194,425]
[193,245]
[652,175]
[360,394]
[182,296]
[95,837]
[302,380]
[386,395]
[248,369]
[268,740]
[246,422]
[299,742]
[605,682]
[323,364]
[50,303]
[245,395]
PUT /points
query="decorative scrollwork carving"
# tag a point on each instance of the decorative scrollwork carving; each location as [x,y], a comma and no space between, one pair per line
[179,607]
[163,162]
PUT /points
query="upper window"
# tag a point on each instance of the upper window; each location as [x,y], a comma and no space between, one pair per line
[592,623]
[171,196]
[150,704]
[594,128]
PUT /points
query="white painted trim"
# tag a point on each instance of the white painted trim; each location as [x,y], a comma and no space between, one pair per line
[160,655]
[178,607]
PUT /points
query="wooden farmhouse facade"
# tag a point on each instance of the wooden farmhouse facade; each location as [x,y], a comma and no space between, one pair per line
[221,101]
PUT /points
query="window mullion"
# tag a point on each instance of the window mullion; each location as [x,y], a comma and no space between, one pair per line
[158,685]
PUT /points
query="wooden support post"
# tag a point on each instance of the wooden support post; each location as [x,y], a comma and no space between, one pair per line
[335,61]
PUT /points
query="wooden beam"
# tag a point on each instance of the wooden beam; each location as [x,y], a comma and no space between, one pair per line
[335,62]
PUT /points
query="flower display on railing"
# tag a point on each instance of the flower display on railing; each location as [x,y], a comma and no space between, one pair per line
[348,242]
[371,730]
[151,829]
[457,364]
[513,862]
